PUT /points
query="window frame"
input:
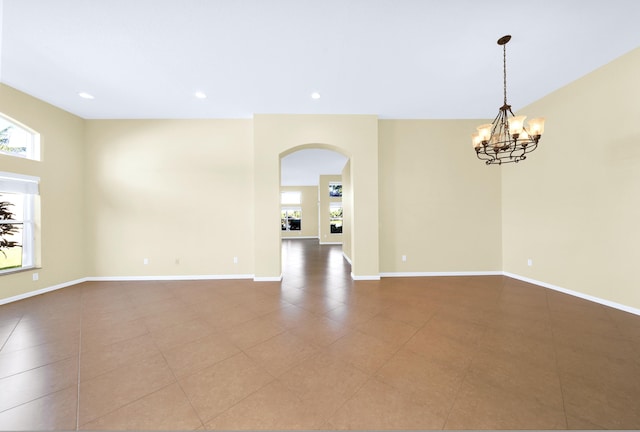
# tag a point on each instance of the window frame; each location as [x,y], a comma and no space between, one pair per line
[32,144]
[332,219]
[28,187]
[285,226]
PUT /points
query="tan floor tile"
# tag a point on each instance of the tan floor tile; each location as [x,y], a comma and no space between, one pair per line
[217,388]
[455,327]
[95,337]
[593,344]
[179,334]
[429,383]
[253,332]
[480,405]
[519,376]
[193,356]
[533,349]
[273,407]
[281,353]
[106,358]
[176,315]
[602,403]
[390,331]
[106,319]
[362,351]
[13,362]
[316,304]
[114,389]
[28,334]
[324,382]
[289,316]
[165,409]
[35,383]
[5,332]
[55,411]
[229,317]
[415,316]
[575,423]
[380,406]
[151,294]
[353,315]
[440,348]
[319,331]
[167,305]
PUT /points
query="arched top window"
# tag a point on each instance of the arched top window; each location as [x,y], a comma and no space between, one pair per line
[18,140]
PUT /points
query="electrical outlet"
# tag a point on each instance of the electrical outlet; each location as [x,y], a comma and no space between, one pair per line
[235,260]
[35,276]
[145,261]
[529,262]
[404,258]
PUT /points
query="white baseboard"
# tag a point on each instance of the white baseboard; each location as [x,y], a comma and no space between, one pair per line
[299,237]
[575,293]
[430,274]
[40,291]
[167,278]
[330,243]
[365,277]
[267,278]
[346,258]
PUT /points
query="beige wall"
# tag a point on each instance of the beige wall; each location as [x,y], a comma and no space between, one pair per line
[62,253]
[178,192]
[439,205]
[309,205]
[325,203]
[573,206]
[355,136]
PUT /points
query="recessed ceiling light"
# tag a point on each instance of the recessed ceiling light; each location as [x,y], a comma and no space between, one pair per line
[85,95]
[200,95]
[315,95]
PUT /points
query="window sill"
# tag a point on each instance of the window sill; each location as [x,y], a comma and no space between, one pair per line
[18,270]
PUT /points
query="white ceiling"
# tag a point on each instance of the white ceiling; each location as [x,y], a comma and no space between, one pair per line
[393,58]
[304,167]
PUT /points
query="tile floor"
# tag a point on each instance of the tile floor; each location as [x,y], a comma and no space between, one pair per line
[317,351]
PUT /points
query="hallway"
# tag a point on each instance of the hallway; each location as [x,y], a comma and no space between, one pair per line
[317,351]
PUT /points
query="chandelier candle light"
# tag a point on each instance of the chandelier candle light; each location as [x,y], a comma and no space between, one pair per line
[506,139]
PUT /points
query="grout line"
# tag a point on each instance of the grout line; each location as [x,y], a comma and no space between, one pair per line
[555,354]
[11,333]
[177,381]
[79,367]
[466,373]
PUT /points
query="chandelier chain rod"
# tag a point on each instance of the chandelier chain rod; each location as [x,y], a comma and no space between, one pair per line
[504,70]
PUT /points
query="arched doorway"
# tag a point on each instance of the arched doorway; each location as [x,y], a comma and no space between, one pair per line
[356,136]
[315,207]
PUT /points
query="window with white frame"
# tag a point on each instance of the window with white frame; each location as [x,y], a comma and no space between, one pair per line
[18,140]
[290,211]
[18,195]
[335,217]
[291,218]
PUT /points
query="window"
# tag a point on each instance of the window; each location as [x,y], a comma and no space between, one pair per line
[335,190]
[291,219]
[17,140]
[293,197]
[18,196]
[335,218]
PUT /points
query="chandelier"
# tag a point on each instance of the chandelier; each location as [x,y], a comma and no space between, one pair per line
[506,139]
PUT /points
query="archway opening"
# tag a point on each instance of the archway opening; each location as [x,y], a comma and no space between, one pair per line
[315,203]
